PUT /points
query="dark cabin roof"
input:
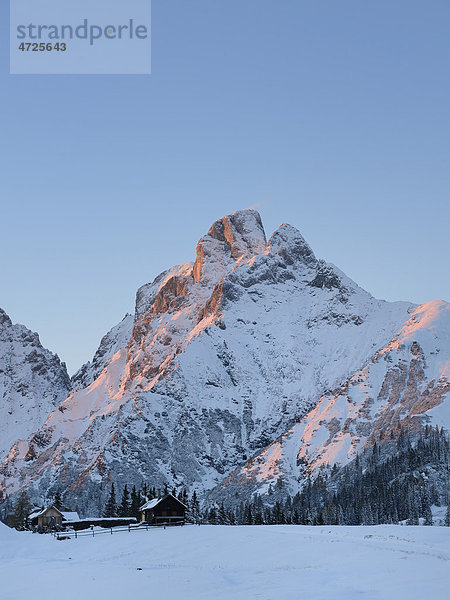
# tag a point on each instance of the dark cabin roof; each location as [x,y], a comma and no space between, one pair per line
[155,501]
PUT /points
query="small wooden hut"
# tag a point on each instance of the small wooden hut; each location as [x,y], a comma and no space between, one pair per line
[167,510]
[51,518]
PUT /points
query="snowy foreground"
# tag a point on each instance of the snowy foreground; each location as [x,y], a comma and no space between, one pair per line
[214,562]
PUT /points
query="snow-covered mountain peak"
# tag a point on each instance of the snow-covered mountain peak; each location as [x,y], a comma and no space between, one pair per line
[10,331]
[231,239]
[221,357]
[244,232]
[288,243]
[32,382]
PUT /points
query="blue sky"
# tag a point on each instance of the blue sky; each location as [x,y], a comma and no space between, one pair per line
[332,116]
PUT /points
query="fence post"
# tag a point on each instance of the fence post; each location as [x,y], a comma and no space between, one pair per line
[75,534]
[111,530]
[129,528]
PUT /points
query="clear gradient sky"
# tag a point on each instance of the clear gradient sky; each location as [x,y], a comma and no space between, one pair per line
[332,116]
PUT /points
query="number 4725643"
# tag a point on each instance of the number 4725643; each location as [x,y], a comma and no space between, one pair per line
[42,47]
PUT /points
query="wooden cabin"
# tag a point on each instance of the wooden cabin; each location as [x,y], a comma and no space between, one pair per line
[46,518]
[167,510]
[51,518]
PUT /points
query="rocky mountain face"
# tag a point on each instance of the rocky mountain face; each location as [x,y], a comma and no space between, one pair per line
[222,357]
[32,383]
[402,388]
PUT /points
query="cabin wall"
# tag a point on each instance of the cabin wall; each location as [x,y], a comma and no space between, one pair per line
[169,510]
[50,518]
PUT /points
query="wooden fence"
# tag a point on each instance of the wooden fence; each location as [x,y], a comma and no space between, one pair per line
[69,535]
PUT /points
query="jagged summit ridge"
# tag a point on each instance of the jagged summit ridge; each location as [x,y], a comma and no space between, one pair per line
[241,233]
[235,237]
[231,239]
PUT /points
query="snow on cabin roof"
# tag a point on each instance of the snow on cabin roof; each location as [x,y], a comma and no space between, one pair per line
[154,501]
[36,514]
[66,515]
[70,516]
[151,503]
[42,511]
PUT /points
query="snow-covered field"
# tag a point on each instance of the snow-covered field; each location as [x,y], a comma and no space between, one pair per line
[214,562]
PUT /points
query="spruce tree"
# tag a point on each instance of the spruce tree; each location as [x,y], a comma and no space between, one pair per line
[231,517]
[212,516]
[195,514]
[135,504]
[248,516]
[221,515]
[259,519]
[277,514]
[428,516]
[111,506]
[124,507]
[22,509]
[447,517]
[413,518]
[57,502]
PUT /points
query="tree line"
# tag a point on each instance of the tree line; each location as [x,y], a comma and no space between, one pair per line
[388,483]
[397,482]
